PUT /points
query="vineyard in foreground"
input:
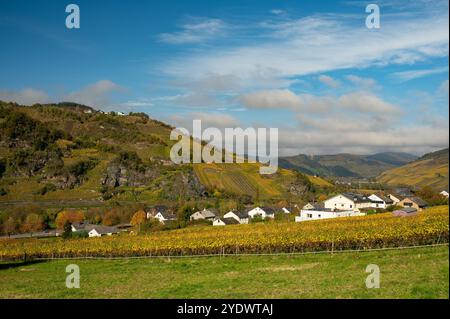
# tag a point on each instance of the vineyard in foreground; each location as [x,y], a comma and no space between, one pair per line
[375,231]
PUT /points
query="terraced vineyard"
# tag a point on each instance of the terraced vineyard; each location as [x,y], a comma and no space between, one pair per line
[366,232]
[319,181]
[429,170]
[242,179]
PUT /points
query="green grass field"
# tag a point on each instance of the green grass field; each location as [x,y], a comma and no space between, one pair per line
[407,273]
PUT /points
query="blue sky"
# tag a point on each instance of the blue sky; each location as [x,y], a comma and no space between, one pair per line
[310,68]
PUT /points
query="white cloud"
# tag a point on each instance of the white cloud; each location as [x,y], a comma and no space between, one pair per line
[218,120]
[365,83]
[366,102]
[271,99]
[317,44]
[138,103]
[190,99]
[210,82]
[96,95]
[359,101]
[413,138]
[329,81]
[27,96]
[414,74]
[197,31]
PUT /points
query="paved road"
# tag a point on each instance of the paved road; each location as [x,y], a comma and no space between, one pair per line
[58,203]
[47,233]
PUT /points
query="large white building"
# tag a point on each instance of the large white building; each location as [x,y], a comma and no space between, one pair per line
[325,214]
[347,201]
[342,205]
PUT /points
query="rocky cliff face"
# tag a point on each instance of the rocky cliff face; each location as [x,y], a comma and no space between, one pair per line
[118,175]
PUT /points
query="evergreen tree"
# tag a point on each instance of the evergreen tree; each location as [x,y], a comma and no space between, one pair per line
[67,233]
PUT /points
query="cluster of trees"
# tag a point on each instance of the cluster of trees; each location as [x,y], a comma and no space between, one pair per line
[19,126]
[130,160]
[24,219]
[432,197]
[32,218]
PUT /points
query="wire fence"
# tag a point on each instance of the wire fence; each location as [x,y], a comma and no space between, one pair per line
[223,254]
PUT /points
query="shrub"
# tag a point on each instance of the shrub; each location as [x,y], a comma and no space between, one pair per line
[47,188]
[80,234]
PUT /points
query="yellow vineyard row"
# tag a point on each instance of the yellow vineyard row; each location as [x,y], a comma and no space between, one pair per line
[366,232]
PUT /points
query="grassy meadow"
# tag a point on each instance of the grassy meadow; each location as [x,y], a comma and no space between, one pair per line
[405,273]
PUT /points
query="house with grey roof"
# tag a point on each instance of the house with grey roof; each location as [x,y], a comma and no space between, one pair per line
[241,217]
[347,201]
[101,230]
[151,212]
[380,201]
[165,215]
[225,221]
[314,206]
[206,214]
[263,212]
[94,230]
[413,201]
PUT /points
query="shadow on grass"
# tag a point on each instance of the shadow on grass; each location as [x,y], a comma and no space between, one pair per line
[9,265]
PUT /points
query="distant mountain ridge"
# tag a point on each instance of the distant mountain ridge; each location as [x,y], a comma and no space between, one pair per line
[430,170]
[346,165]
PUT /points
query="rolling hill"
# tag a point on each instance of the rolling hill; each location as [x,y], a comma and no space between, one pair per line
[69,152]
[429,170]
[346,165]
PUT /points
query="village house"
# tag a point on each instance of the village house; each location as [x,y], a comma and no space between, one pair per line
[395,198]
[347,201]
[444,193]
[342,205]
[242,218]
[313,206]
[94,230]
[165,216]
[207,214]
[79,226]
[285,210]
[225,221]
[100,230]
[325,213]
[413,201]
[151,212]
[380,201]
[161,213]
[264,212]
[399,194]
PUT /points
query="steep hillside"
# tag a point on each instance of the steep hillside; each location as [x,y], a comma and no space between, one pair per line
[71,152]
[429,170]
[346,165]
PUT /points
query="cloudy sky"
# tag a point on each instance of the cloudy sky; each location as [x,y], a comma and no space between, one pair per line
[313,70]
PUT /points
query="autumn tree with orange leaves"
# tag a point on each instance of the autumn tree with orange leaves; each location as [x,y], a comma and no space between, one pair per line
[69,216]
